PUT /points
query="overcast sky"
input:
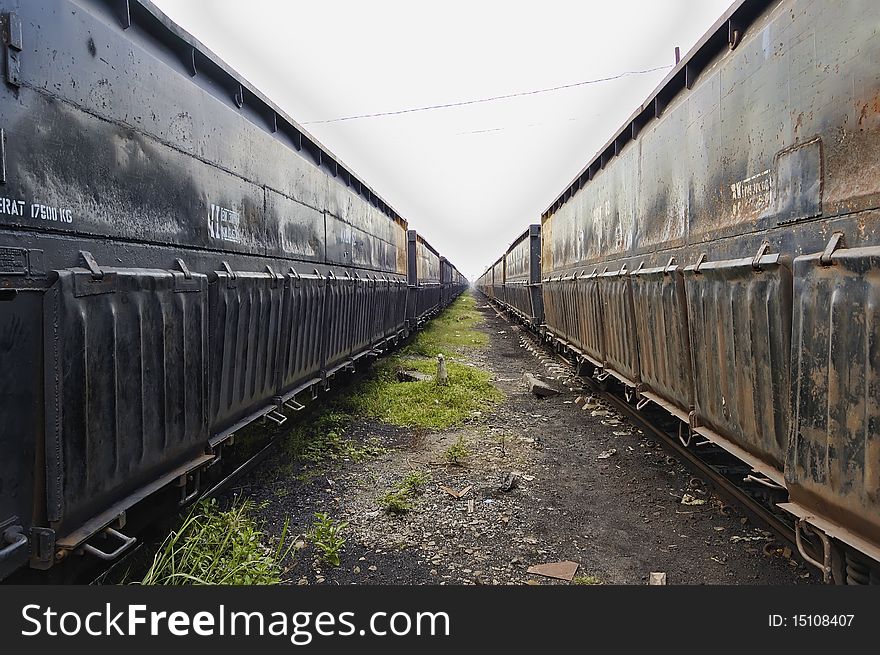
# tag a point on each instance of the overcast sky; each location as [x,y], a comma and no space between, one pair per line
[471,178]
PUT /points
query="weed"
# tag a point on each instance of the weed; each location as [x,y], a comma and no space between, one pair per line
[414,482]
[396,502]
[399,501]
[319,437]
[586,580]
[217,547]
[457,452]
[326,535]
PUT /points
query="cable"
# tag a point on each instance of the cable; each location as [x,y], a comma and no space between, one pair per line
[483,100]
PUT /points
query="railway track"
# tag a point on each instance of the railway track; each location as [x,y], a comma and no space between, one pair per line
[729,477]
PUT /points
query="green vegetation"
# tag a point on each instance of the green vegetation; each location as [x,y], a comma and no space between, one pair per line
[396,502]
[218,547]
[319,437]
[424,404]
[414,482]
[453,331]
[399,501]
[326,535]
[457,452]
[586,580]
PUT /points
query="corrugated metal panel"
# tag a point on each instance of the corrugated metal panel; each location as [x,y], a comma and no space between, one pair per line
[338,320]
[833,463]
[303,327]
[590,317]
[21,410]
[244,334]
[363,330]
[739,318]
[662,333]
[125,379]
[618,323]
[395,315]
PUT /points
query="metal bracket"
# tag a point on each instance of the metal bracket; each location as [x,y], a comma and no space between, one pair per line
[276,417]
[92,265]
[187,274]
[295,276]
[275,278]
[183,483]
[14,47]
[685,443]
[230,280]
[186,282]
[124,13]
[734,33]
[622,270]
[835,242]
[668,267]
[42,548]
[700,260]
[293,405]
[763,481]
[762,250]
[2,156]
[100,554]
[96,281]
[824,566]
[193,70]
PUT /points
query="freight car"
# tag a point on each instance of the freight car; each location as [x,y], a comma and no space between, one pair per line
[719,258]
[520,287]
[423,264]
[178,258]
[452,282]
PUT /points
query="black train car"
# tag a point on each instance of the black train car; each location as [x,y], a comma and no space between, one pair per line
[491,283]
[452,282]
[424,280]
[522,277]
[177,259]
[720,256]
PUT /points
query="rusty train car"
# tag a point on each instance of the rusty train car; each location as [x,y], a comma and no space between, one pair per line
[719,258]
[178,258]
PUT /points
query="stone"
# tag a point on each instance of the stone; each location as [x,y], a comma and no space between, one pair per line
[538,387]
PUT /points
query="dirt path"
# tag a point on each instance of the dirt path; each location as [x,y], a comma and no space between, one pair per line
[619,517]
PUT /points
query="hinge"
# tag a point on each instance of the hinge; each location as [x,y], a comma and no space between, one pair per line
[230,275]
[13,48]
[96,281]
[184,280]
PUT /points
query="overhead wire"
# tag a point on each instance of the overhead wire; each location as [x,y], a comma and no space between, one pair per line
[477,101]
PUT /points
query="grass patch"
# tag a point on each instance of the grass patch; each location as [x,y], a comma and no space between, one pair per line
[319,437]
[424,404]
[399,501]
[414,482]
[396,502]
[452,331]
[326,535]
[586,580]
[457,452]
[218,547]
